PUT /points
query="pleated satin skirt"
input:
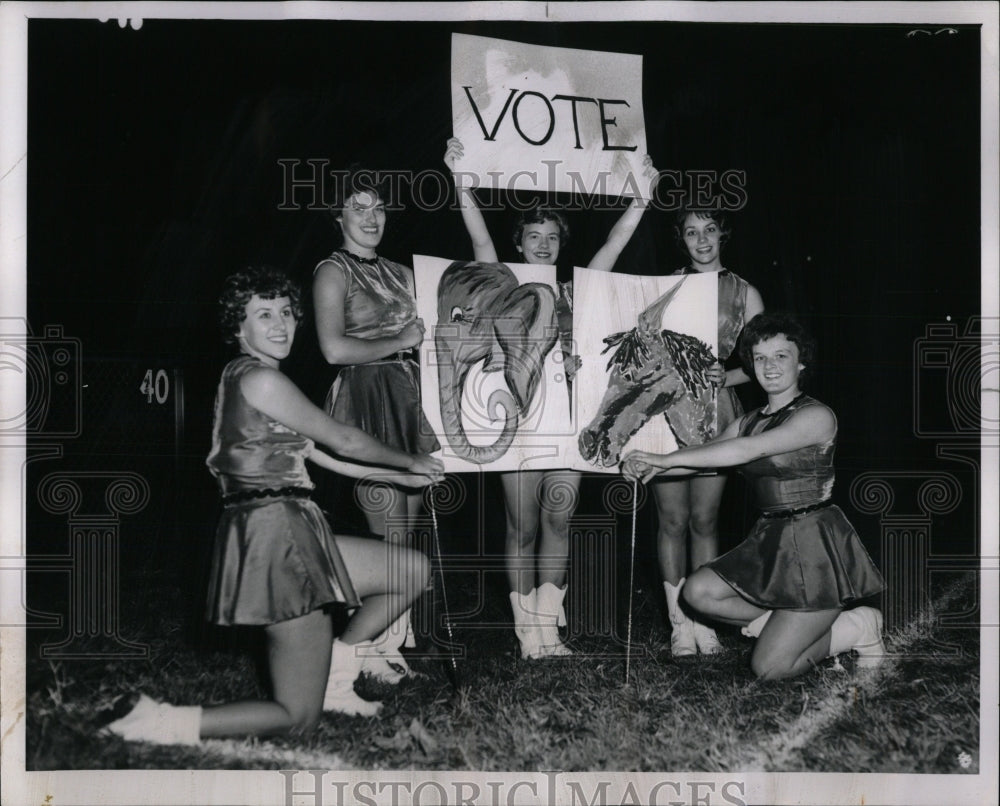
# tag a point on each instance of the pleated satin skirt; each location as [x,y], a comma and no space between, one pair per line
[275,559]
[812,561]
[383,400]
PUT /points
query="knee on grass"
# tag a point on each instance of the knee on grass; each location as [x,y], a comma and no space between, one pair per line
[303,718]
[772,666]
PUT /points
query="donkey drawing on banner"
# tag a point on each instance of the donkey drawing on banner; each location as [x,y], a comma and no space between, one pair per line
[652,371]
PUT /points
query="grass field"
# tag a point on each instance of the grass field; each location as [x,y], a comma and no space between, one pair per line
[918,713]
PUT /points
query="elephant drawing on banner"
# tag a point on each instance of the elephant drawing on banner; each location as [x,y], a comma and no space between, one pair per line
[485,316]
[653,371]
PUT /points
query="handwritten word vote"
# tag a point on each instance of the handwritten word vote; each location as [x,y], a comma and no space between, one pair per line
[515,99]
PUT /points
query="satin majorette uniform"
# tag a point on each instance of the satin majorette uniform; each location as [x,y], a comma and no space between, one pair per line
[382,397]
[275,556]
[802,553]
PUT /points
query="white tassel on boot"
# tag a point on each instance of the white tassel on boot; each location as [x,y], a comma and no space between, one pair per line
[404,626]
[549,611]
[159,723]
[386,662]
[682,643]
[859,629]
[524,608]
[755,627]
[345,666]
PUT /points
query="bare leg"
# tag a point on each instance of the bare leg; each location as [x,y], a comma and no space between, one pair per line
[710,594]
[298,652]
[414,506]
[538,501]
[521,500]
[792,643]
[706,496]
[386,577]
[673,512]
[390,511]
[560,493]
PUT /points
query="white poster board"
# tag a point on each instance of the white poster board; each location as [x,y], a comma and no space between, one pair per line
[547,119]
[493,384]
[493,379]
[642,388]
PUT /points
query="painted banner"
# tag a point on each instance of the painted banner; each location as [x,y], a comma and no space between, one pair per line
[493,379]
[645,350]
[547,119]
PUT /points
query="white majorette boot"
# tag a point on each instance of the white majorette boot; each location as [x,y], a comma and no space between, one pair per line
[705,639]
[345,666]
[159,723]
[384,660]
[682,643]
[859,629]
[755,627]
[524,608]
[550,616]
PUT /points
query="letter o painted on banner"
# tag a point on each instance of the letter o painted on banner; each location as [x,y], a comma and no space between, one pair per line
[552,118]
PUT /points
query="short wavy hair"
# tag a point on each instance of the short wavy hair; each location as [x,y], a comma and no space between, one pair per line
[357,179]
[239,288]
[719,216]
[539,215]
[766,326]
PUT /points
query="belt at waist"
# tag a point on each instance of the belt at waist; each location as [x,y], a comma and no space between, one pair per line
[402,357]
[787,513]
[266,492]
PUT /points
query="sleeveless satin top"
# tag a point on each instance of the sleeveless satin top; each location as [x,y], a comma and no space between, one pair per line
[250,450]
[790,480]
[378,301]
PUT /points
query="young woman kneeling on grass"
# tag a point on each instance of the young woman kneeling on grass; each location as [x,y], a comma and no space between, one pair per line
[789,582]
[276,563]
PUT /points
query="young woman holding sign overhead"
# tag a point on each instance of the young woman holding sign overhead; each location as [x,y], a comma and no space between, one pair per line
[366,321]
[539,503]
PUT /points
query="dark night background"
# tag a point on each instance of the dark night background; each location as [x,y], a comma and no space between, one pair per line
[153,173]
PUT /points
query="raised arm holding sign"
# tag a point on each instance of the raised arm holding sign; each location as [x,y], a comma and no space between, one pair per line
[539,503]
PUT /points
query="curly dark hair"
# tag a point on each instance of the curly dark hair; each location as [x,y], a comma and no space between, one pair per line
[719,216]
[264,281]
[357,179]
[768,325]
[539,215]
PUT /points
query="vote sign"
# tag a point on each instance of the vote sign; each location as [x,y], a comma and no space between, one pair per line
[547,119]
